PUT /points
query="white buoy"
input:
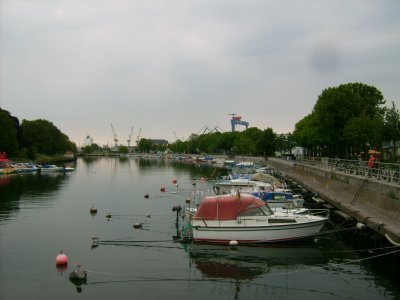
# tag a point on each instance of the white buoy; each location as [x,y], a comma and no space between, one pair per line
[360,226]
[233,243]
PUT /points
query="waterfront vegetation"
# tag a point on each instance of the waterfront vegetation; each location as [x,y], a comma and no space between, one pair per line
[33,140]
[346,121]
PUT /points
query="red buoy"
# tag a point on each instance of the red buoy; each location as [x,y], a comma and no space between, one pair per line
[61,259]
[162,189]
[174,181]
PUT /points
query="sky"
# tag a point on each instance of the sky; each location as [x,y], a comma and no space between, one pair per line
[169,68]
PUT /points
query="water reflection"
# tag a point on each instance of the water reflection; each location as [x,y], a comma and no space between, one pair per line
[36,187]
[249,262]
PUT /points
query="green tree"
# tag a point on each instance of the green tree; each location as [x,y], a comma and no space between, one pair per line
[9,126]
[41,136]
[327,129]
[145,145]
[392,128]
[123,149]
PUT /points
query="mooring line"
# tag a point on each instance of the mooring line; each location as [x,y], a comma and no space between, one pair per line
[336,265]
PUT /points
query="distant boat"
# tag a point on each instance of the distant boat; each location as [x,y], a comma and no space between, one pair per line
[248,219]
[26,168]
[51,168]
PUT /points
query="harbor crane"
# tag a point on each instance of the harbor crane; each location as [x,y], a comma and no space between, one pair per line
[237,120]
[176,137]
[138,136]
[130,138]
[114,135]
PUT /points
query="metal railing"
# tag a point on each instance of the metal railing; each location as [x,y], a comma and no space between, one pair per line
[382,171]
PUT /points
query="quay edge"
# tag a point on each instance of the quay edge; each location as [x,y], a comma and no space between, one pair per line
[373,207]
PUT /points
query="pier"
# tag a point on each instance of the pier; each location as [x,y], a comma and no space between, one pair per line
[371,199]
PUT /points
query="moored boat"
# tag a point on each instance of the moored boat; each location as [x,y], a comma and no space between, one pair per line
[51,168]
[248,219]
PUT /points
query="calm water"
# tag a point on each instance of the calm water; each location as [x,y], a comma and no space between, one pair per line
[42,214]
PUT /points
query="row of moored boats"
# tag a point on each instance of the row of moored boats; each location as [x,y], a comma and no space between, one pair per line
[19,168]
[251,209]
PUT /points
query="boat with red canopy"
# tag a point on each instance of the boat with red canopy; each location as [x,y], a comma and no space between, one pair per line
[248,219]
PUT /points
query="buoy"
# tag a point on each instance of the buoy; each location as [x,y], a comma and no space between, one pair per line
[360,226]
[233,243]
[187,201]
[93,210]
[138,225]
[174,192]
[146,195]
[148,216]
[108,214]
[162,189]
[61,259]
[174,181]
[78,276]
[177,208]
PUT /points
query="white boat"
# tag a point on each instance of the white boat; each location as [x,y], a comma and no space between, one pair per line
[26,168]
[51,168]
[248,219]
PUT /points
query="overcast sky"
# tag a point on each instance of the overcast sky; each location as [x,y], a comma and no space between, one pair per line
[176,66]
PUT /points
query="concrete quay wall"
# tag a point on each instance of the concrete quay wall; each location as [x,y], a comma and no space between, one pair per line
[377,204]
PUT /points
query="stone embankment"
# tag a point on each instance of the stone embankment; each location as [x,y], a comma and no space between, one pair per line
[374,203]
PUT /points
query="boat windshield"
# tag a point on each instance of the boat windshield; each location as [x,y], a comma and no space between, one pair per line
[256,212]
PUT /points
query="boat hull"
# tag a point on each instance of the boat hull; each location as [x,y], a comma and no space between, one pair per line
[255,234]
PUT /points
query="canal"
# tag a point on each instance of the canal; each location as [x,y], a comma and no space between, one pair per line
[41,214]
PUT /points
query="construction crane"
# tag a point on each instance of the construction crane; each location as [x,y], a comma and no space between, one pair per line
[176,137]
[114,135]
[130,138]
[138,136]
[237,120]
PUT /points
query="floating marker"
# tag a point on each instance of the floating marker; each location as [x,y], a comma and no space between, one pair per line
[93,210]
[146,195]
[162,189]
[138,225]
[61,259]
[174,181]
[233,243]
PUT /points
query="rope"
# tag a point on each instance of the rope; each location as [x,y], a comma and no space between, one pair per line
[132,241]
[338,265]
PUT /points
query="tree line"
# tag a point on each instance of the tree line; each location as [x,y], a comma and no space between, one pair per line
[30,138]
[346,121]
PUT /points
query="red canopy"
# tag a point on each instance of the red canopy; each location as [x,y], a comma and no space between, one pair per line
[226,207]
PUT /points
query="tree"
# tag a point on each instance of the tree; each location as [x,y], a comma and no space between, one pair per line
[41,136]
[9,126]
[324,130]
[145,145]
[392,127]
[123,149]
